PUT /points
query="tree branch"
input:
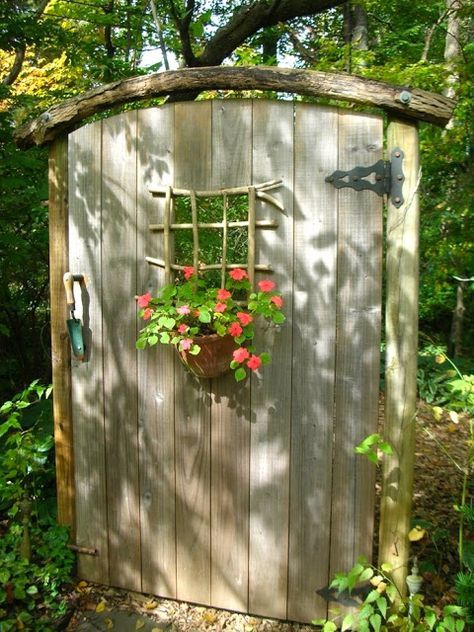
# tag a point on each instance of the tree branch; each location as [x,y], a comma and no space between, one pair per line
[253,17]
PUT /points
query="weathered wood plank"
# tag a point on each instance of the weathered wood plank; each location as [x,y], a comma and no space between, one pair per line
[120,363]
[402,342]
[273,129]
[59,119]
[192,400]
[314,332]
[230,409]
[60,348]
[155,368]
[358,341]
[85,257]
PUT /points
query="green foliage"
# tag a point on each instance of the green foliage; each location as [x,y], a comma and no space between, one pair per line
[382,608]
[34,561]
[372,447]
[441,382]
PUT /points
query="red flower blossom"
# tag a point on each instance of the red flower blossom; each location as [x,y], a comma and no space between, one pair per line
[235,330]
[266,286]
[147,312]
[277,300]
[244,318]
[220,307]
[241,354]
[254,362]
[188,272]
[223,295]
[183,328]
[144,299]
[238,274]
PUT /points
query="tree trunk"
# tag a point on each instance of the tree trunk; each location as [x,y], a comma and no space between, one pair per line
[452,48]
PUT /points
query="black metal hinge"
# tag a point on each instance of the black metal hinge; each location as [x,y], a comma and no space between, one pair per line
[388,178]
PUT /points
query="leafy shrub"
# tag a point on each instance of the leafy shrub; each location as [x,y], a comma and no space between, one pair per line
[34,560]
[382,608]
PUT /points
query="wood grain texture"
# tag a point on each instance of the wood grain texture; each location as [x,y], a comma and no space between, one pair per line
[401,323]
[272,157]
[230,408]
[192,398]
[155,367]
[357,344]
[120,364]
[314,333]
[60,347]
[61,118]
[85,257]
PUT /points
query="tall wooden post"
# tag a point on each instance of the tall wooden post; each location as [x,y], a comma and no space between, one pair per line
[401,356]
[60,349]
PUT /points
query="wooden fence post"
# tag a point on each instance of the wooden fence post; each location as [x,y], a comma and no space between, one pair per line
[60,349]
[401,356]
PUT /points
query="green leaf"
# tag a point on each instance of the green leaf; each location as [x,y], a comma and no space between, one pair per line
[376,622]
[278,318]
[32,590]
[387,567]
[329,626]
[372,596]
[204,316]
[265,358]
[382,606]
[240,374]
[165,338]
[347,622]
[152,340]
[195,349]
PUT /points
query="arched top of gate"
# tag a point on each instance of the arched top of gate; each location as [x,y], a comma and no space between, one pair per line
[411,103]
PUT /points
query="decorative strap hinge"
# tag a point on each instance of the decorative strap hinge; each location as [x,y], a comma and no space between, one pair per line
[387,178]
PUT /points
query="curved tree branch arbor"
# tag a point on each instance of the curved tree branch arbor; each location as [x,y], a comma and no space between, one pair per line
[403,101]
[405,107]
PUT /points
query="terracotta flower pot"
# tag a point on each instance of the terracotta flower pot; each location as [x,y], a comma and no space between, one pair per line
[213,359]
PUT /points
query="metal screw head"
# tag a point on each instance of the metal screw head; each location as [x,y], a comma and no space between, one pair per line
[404,97]
[397,154]
[397,200]
[399,177]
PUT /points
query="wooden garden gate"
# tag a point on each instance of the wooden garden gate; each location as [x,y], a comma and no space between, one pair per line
[246,497]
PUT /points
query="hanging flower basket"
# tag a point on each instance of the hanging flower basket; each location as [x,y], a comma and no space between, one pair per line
[214,357]
[211,327]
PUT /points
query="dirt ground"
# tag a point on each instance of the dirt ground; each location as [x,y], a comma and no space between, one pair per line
[437,485]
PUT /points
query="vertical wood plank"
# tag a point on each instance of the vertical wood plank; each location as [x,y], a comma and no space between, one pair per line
[85,256]
[314,333]
[402,342]
[120,365]
[273,130]
[192,144]
[60,349]
[359,282]
[155,364]
[230,414]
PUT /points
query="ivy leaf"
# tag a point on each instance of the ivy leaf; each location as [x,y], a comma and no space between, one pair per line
[240,374]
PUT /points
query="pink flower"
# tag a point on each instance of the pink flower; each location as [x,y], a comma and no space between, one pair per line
[238,274]
[235,330]
[144,299]
[254,362]
[241,354]
[183,328]
[223,295]
[186,344]
[188,272]
[220,307]
[184,309]
[277,300]
[147,313]
[266,286]
[244,318]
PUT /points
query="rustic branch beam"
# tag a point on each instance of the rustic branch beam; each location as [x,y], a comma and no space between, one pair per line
[397,100]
